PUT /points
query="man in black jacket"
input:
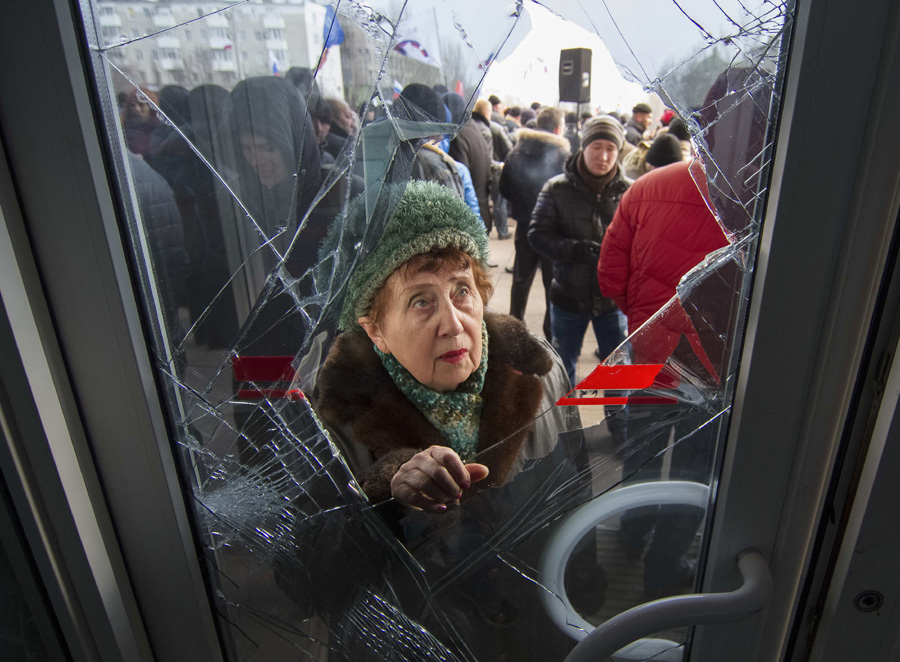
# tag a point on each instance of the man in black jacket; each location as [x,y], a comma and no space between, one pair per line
[538,155]
[641,119]
[473,147]
[569,221]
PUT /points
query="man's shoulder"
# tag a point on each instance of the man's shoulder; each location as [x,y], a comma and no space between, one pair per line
[559,182]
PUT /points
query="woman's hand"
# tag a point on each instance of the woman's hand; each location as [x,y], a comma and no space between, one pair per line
[433,477]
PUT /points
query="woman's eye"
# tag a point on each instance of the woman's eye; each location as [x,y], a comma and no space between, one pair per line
[419,303]
[462,292]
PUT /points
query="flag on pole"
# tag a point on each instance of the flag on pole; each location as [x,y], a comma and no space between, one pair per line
[398,88]
[417,37]
[332,33]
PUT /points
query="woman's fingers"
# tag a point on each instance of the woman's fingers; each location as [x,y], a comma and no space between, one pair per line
[405,494]
[433,477]
[477,472]
[448,458]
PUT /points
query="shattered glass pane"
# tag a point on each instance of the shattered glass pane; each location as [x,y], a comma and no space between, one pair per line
[258,146]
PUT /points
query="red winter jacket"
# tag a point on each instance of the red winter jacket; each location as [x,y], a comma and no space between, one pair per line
[663,228]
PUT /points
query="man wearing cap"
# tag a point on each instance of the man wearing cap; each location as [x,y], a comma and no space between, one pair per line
[641,119]
[568,224]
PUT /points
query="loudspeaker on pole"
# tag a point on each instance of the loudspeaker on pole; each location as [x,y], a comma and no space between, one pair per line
[575,75]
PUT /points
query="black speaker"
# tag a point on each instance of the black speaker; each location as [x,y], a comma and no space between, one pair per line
[575,75]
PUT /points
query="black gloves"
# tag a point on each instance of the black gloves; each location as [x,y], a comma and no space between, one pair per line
[586,250]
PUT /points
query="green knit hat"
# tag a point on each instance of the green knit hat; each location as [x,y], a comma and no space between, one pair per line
[427,216]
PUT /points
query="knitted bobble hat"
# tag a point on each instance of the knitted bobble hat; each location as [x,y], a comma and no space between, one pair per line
[603,127]
[428,216]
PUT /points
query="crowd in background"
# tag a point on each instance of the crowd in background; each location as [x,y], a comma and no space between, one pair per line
[527,164]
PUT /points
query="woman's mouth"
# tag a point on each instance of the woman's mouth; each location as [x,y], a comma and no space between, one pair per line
[454,357]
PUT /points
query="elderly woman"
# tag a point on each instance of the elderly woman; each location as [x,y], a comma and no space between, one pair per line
[434,400]
[432,393]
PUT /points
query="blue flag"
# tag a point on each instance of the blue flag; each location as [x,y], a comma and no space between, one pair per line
[332,33]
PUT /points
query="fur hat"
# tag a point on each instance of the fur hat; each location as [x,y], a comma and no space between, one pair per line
[427,216]
[604,127]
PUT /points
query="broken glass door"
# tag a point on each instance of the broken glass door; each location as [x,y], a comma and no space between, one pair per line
[259,146]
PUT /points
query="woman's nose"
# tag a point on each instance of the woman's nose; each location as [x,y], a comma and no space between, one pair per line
[449,322]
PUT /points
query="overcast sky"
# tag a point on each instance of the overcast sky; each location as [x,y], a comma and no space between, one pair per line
[645,38]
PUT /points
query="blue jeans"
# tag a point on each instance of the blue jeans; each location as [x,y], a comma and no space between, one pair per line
[568,334]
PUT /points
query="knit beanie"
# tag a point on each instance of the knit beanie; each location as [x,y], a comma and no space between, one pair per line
[678,129]
[603,127]
[428,216]
[665,149]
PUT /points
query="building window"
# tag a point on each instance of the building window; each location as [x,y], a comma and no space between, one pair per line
[273,33]
[155,55]
[139,55]
[258,35]
[187,34]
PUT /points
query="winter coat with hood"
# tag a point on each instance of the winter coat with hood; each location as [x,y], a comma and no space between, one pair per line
[273,109]
[473,147]
[567,211]
[537,156]
[379,428]
[662,229]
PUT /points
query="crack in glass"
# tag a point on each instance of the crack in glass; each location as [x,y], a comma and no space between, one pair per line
[249,223]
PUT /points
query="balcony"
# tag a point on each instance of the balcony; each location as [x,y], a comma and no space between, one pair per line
[215,21]
[273,22]
[276,45]
[224,65]
[219,43]
[163,19]
[168,42]
[171,63]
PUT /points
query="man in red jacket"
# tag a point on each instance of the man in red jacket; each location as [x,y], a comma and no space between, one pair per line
[662,229]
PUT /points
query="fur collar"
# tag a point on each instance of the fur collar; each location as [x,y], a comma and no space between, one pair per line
[355,394]
[543,137]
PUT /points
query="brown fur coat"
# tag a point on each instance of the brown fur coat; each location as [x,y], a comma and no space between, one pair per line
[356,396]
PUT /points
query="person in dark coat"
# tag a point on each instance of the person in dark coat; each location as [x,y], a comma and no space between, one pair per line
[473,147]
[139,121]
[662,229]
[431,164]
[538,155]
[165,241]
[273,139]
[572,134]
[501,146]
[207,212]
[641,118]
[569,222]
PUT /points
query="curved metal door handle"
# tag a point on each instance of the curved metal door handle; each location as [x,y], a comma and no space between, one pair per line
[679,611]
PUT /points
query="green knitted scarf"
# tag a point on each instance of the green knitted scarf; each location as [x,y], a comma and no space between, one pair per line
[456,415]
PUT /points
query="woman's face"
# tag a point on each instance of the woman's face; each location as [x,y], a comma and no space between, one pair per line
[265,159]
[432,325]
